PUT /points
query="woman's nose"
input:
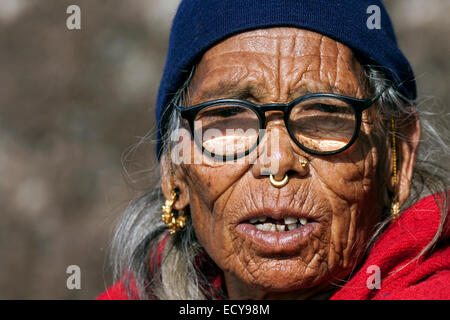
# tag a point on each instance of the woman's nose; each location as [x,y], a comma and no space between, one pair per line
[277,154]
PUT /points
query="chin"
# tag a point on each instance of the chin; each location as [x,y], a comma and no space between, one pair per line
[283,277]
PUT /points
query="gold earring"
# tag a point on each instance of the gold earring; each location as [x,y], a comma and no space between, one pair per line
[395,206]
[167,217]
[173,224]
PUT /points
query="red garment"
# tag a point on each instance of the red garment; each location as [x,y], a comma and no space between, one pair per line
[426,278]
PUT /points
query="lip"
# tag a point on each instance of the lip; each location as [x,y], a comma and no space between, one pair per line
[279,243]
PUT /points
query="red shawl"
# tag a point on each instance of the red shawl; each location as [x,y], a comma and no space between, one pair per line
[425,278]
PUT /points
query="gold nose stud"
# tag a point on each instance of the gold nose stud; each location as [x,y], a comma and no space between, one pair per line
[304,163]
[279,183]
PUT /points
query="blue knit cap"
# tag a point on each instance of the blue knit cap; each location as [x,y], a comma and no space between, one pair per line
[200,24]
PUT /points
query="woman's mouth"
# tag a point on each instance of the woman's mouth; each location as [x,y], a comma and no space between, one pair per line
[285,224]
[278,236]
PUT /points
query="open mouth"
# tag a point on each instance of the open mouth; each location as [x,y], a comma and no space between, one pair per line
[281,225]
[278,232]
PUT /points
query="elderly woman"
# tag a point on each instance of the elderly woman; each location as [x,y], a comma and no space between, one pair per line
[287,143]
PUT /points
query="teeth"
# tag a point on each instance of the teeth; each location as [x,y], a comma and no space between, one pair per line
[292,226]
[256,220]
[290,220]
[265,226]
[275,227]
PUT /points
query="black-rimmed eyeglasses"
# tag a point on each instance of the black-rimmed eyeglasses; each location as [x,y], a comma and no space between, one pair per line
[319,123]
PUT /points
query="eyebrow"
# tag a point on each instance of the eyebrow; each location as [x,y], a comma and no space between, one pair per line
[228,90]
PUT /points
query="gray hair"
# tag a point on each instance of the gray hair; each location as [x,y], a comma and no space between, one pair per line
[134,246]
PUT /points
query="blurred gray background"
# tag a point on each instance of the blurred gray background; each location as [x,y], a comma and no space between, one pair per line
[72,102]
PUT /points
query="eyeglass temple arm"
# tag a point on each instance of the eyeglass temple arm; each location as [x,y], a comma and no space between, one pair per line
[374,99]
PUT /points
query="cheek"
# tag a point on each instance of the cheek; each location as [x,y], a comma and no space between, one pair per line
[215,234]
[351,175]
[210,186]
[209,179]
[353,190]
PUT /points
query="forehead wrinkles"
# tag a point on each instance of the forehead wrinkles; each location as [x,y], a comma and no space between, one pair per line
[280,61]
[273,41]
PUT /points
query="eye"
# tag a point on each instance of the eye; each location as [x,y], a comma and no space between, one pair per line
[329,108]
[226,112]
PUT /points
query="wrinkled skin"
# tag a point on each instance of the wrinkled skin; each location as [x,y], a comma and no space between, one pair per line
[345,193]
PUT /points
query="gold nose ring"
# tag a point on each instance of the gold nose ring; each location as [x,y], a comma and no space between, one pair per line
[279,183]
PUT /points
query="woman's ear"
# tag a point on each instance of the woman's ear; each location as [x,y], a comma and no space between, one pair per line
[408,133]
[179,182]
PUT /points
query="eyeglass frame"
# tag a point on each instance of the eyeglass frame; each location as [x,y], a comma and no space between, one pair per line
[358,106]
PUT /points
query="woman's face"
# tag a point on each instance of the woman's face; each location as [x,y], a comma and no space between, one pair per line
[339,196]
